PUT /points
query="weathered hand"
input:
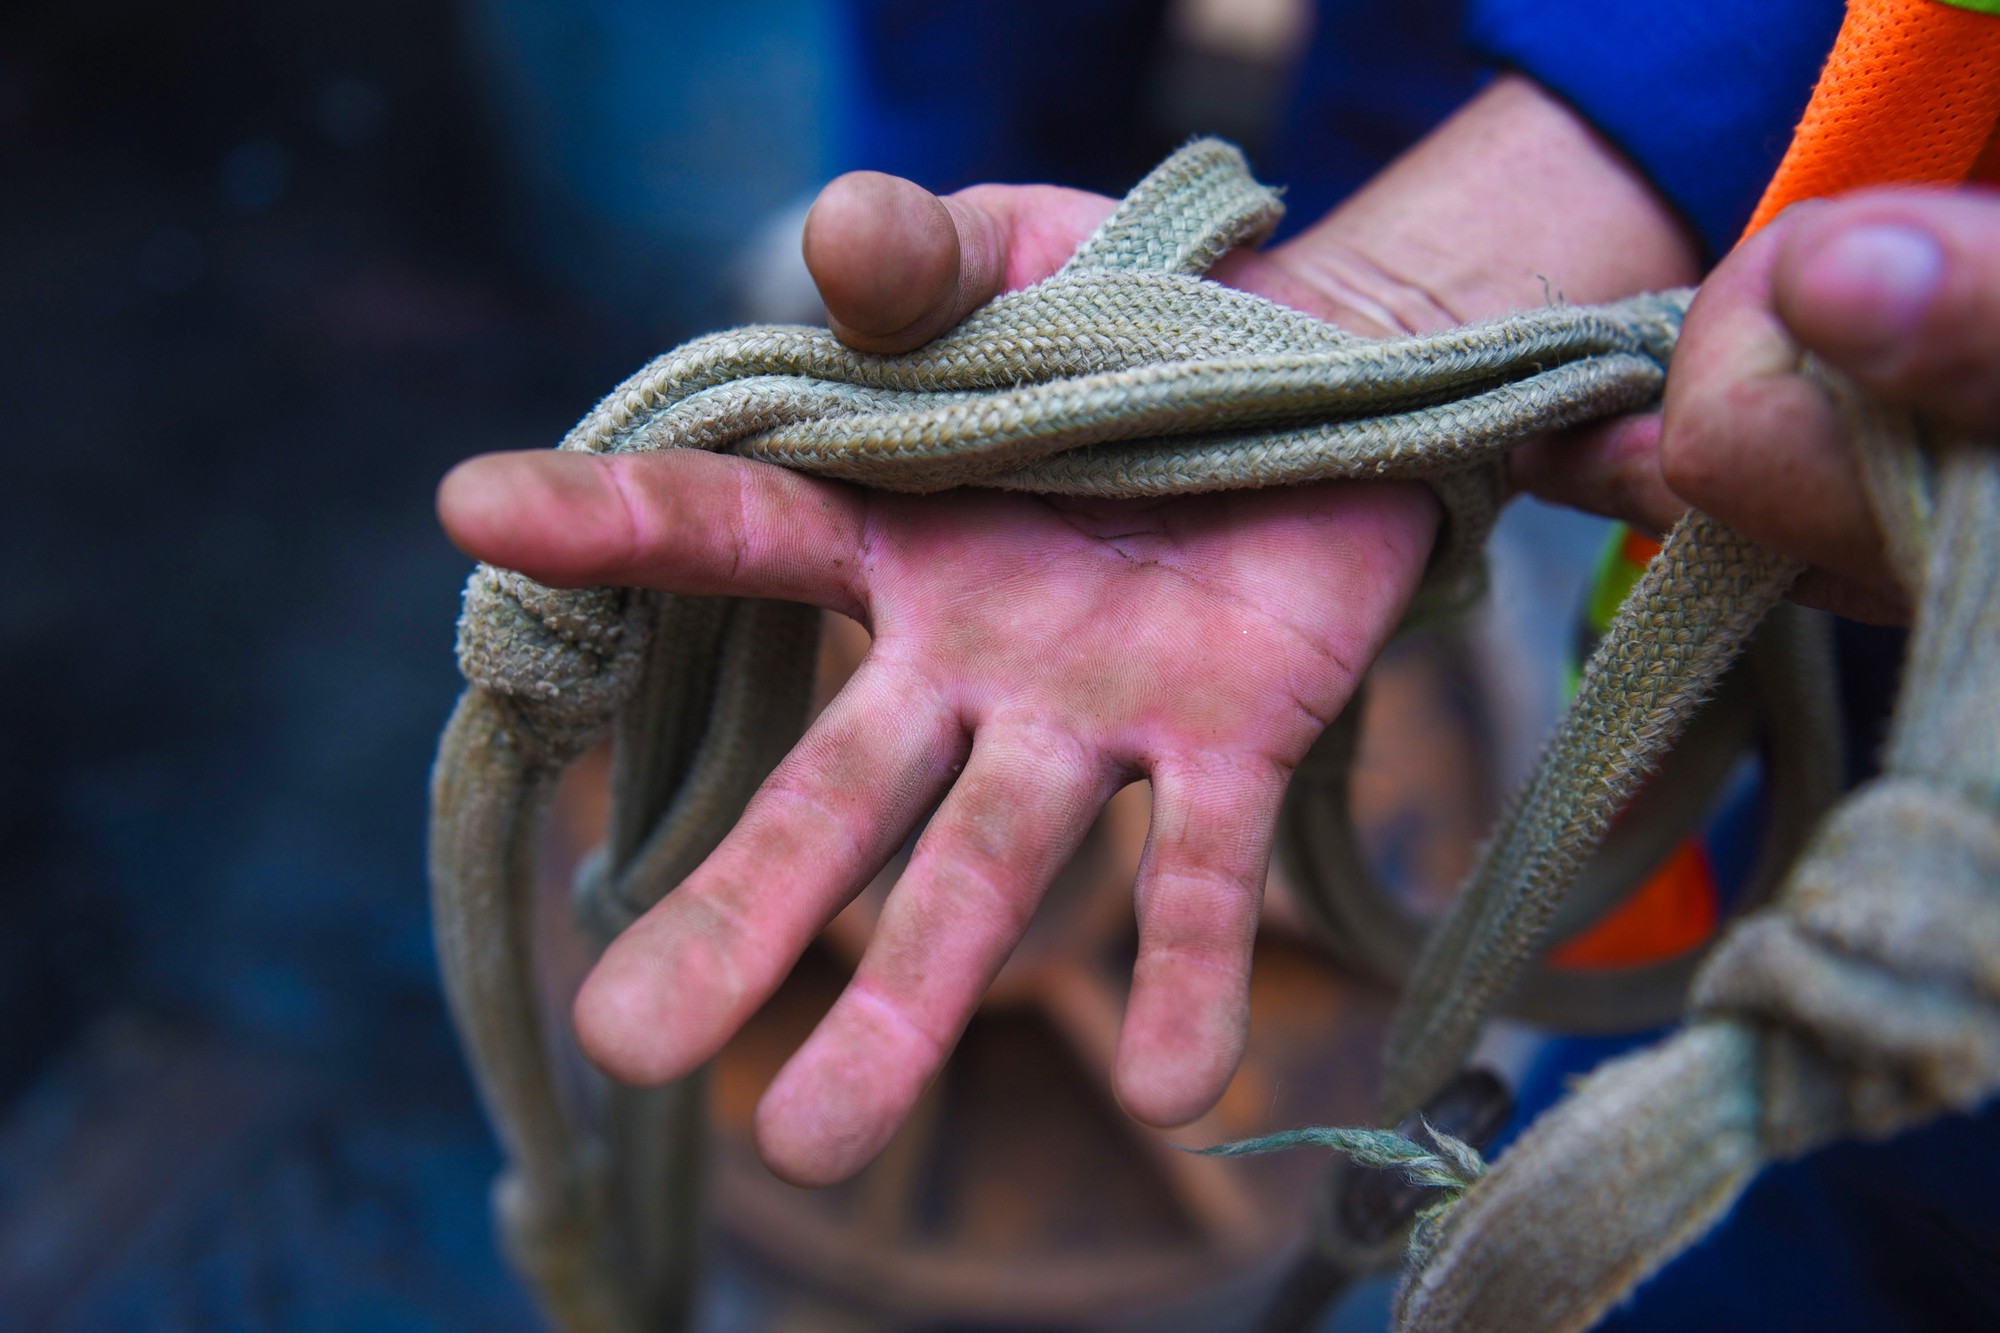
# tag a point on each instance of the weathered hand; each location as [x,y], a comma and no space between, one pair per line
[1898,289]
[1029,658]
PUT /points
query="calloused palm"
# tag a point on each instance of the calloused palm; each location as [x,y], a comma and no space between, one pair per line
[1028,659]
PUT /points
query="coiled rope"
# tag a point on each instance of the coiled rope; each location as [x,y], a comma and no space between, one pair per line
[1124,375]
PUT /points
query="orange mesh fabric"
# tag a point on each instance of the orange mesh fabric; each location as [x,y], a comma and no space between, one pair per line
[1910,95]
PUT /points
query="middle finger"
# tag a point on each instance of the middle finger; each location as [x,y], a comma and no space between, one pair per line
[1008,826]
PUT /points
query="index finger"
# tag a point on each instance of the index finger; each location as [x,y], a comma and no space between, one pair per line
[679,520]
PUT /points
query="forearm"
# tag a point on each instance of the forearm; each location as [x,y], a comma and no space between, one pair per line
[1511,203]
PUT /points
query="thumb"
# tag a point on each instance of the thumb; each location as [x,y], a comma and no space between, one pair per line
[1901,291]
[898,265]
[1747,438]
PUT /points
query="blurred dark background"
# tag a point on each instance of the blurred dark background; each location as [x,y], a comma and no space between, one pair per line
[260,290]
[267,272]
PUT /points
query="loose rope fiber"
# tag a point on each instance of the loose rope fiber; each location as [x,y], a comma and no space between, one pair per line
[1126,374]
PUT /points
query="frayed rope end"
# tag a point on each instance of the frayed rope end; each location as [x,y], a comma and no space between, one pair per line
[1450,1164]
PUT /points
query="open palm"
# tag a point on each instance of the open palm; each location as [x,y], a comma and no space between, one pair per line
[1029,658]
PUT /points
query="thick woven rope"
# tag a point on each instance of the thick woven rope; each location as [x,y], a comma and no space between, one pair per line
[1865,1000]
[1780,703]
[1124,375]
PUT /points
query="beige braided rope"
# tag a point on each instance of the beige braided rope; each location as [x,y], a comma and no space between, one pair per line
[1865,1001]
[1779,704]
[1124,375]
[1678,631]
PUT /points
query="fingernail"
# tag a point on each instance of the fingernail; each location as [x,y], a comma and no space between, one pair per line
[1880,276]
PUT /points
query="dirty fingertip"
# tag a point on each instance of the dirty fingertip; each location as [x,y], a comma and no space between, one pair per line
[884,253]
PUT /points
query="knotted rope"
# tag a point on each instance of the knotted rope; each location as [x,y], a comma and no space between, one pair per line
[1124,375]
[1865,1001]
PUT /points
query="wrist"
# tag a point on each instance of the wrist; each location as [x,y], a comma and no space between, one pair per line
[1339,272]
[1513,203]
[1337,280]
